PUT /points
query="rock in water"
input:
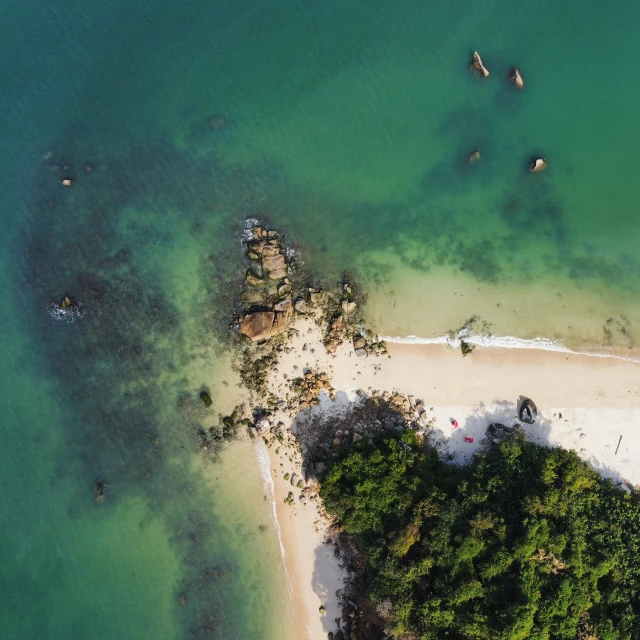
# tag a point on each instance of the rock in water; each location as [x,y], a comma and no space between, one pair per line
[67,182]
[537,164]
[516,78]
[473,156]
[258,325]
[100,490]
[206,399]
[477,65]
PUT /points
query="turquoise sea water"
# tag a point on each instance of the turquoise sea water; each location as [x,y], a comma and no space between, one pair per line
[346,125]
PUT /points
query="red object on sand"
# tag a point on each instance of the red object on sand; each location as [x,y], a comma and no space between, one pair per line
[468,439]
[455,424]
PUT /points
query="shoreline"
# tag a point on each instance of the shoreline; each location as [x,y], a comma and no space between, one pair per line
[584,403]
[511,342]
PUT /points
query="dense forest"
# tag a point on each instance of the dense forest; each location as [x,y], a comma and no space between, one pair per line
[526,542]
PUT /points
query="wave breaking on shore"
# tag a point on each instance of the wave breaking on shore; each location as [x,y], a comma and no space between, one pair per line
[505,342]
[263,464]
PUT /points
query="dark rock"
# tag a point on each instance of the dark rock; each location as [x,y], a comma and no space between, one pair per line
[359,342]
[206,399]
[100,490]
[528,411]
[466,348]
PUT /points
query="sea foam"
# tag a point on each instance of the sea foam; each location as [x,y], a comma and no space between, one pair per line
[504,342]
[265,471]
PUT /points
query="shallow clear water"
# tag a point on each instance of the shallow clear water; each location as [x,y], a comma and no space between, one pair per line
[345,126]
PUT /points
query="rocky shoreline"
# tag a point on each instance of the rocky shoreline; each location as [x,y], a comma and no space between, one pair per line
[285,412]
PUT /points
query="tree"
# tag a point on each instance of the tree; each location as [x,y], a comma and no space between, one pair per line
[525,542]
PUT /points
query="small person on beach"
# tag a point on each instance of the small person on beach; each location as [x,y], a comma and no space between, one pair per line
[454,423]
[468,439]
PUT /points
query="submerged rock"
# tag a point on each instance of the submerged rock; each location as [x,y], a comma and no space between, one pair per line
[537,164]
[100,490]
[218,122]
[474,156]
[206,399]
[476,65]
[252,280]
[516,78]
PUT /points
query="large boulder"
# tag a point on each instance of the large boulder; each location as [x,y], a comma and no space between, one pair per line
[516,78]
[258,325]
[477,66]
[537,164]
[275,266]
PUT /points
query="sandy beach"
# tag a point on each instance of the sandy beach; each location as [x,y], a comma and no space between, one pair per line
[585,403]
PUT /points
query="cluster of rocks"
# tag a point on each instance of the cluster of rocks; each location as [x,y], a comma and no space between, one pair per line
[341,320]
[267,296]
[368,344]
[311,297]
[308,388]
[210,439]
[375,415]
[65,168]
[537,163]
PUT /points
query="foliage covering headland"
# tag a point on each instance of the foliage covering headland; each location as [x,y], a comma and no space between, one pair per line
[526,542]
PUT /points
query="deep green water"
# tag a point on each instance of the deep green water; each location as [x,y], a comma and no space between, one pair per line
[345,125]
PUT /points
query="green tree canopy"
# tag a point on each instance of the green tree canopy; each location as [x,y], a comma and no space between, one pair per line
[526,542]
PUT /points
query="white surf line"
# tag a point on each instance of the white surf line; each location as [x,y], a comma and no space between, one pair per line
[503,342]
[264,465]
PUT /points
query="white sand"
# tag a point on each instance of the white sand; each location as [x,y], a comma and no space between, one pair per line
[584,403]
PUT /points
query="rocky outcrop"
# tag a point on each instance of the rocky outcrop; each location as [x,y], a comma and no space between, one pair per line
[478,67]
[308,388]
[368,345]
[258,325]
[340,320]
[537,164]
[267,295]
[515,78]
